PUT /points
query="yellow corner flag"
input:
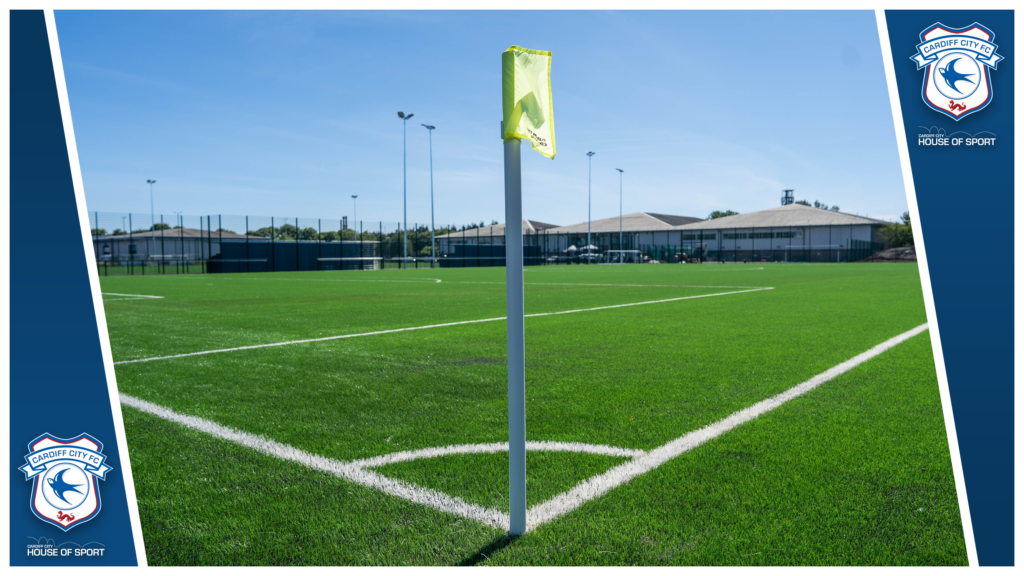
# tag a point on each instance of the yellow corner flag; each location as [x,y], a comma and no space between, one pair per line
[526,98]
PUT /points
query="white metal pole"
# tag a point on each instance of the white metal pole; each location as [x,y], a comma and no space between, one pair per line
[405,223]
[433,252]
[516,338]
[152,217]
[620,216]
[590,157]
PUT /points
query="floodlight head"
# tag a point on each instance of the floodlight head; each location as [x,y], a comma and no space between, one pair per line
[355,196]
[150,181]
[591,153]
[620,170]
[401,114]
[407,116]
[428,127]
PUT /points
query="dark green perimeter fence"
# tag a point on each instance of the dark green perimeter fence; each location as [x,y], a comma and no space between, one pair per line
[130,244]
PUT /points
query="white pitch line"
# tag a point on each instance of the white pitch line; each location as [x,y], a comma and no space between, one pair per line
[611,285]
[641,462]
[494,448]
[438,281]
[347,471]
[649,302]
[233,277]
[424,281]
[601,484]
[105,300]
[131,296]
[395,330]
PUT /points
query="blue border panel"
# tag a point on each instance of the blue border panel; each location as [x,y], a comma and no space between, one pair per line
[58,384]
[965,197]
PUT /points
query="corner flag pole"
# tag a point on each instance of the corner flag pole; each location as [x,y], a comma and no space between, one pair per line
[526,113]
[516,337]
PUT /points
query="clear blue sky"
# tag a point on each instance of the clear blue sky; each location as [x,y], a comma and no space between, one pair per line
[290,113]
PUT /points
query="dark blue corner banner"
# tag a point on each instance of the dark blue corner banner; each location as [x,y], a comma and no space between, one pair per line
[955,75]
[68,503]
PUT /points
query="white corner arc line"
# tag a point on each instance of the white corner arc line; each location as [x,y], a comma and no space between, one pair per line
[396,330]
[494,448]
[131,296]
[602,483]
[344,470]
[640,462]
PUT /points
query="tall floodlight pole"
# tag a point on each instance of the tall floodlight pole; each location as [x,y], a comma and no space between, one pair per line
[405,220]
[590,157]
[620,214]
[433,255]
[354,213]
[152,216]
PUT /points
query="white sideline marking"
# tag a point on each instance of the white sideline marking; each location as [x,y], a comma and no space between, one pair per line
[612,285]
[438,281]
[602,483]
[130,296]
[105,300]
[641,462]
[347,471]
[232,277]
[394,330]
[424,281]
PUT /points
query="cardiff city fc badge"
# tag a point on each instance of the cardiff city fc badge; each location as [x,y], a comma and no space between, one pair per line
[65,492]
[957,81]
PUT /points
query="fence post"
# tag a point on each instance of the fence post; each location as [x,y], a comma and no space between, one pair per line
[202,247]
[181,243]
[131,246]
[142,265]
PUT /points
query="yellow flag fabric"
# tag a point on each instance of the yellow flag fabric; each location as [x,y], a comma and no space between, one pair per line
[526,98]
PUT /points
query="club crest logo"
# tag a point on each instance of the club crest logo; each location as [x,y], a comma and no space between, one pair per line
[65,492]
[957,81]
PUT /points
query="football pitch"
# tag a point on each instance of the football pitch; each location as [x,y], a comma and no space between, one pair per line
[676,415]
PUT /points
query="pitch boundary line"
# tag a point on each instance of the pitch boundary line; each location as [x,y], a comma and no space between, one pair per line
[603,483]
[612,285]
[130,296]
[640,462]
[438,281]
[344,470]
[446,324]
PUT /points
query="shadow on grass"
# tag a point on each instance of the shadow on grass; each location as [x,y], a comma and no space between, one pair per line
[493,546]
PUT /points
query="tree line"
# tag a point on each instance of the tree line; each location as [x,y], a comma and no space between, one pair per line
[899,234]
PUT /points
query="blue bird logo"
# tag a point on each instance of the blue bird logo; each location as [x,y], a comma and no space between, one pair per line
[951,76]
[59,486]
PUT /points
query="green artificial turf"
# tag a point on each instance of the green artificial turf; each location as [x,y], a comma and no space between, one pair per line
[634,377]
